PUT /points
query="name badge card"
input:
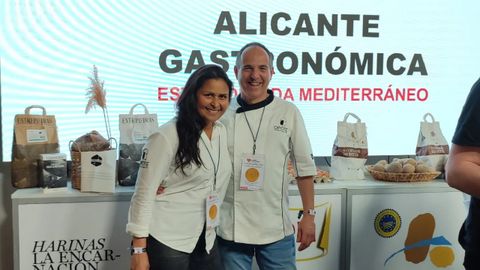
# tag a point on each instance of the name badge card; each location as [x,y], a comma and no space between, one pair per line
[213,208]
[253,172]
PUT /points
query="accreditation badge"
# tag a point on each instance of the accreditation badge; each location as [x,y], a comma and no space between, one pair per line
[253,172]
[212,210]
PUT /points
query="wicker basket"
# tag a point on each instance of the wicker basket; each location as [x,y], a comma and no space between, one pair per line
[75,153]
[402,177]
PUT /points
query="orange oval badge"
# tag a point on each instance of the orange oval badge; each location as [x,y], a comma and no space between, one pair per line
[212,212]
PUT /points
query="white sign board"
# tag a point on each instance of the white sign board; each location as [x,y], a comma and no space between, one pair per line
[416,231]
[73,236]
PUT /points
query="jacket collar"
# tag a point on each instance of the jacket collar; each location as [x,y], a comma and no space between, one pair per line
[244,106]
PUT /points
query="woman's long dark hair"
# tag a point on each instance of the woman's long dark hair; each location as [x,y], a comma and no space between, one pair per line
[189,122]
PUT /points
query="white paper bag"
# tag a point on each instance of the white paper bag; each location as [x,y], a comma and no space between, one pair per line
[98,171]
[350,150]
[134,132]
[432,147]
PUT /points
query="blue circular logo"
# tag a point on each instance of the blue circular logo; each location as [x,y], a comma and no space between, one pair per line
[387,223]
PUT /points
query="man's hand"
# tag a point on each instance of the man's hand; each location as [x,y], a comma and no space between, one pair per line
[306,232]
[306,226]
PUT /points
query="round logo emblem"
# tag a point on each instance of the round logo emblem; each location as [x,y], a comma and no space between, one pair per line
[387,223]
[252,175]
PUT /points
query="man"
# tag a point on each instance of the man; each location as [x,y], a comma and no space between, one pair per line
[264,133]
[463,173]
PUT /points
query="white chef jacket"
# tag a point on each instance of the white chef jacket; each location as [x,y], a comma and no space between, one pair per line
[261,216]
[176,218]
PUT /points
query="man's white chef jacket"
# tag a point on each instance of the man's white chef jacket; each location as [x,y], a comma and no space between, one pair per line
[261,216]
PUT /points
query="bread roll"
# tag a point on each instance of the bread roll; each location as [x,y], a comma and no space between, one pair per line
[379,167]
[410,161]
[394,167]
[382,162]
[408,168]
[423,168]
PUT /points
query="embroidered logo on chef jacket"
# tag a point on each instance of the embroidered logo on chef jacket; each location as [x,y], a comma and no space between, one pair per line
[281,127]
[143,161]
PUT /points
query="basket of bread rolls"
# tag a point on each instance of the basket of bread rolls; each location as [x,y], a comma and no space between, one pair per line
[402,170]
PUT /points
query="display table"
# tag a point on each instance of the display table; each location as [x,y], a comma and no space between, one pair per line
[75,230]
[385,218]
[70,230]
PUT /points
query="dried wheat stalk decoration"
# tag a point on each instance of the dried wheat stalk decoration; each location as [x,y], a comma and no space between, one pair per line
[96,95]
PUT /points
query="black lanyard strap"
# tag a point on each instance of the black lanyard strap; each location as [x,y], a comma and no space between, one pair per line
[215,167]
[254,137]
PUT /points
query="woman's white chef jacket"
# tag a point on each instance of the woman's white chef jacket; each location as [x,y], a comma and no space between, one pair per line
[176,218]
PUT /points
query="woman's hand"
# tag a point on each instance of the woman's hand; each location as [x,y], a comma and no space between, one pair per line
[139,262]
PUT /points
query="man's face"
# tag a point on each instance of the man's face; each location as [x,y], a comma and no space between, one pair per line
[254,74]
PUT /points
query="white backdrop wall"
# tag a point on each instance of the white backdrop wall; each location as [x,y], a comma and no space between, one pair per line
[389,62]
[48,49]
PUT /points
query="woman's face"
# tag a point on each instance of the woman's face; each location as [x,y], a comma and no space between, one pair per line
[212,100]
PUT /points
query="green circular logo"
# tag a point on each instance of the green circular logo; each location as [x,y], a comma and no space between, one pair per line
[387,223]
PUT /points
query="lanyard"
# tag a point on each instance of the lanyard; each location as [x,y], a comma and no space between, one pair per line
[215,167]
[254,137]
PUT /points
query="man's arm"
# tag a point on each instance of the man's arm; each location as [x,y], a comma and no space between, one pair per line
[306,227]
[462,170]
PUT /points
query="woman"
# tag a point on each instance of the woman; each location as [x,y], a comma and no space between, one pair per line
[188,157]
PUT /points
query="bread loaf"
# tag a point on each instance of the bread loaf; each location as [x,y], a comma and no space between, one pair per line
[91,141]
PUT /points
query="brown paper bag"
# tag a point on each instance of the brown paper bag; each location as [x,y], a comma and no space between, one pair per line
[33,135]
[134,132]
